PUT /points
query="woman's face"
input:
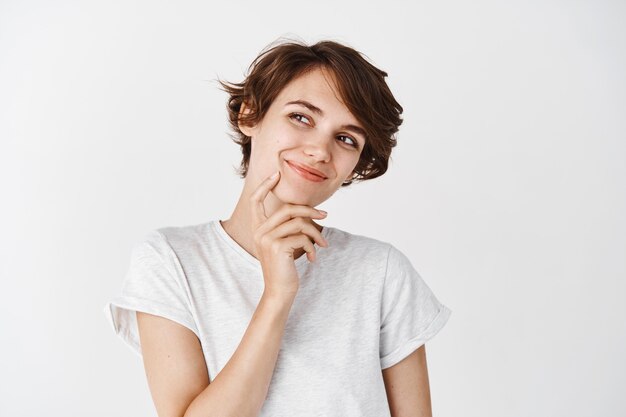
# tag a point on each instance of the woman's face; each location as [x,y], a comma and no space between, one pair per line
[329,140]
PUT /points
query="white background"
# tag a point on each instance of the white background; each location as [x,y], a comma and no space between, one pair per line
[507,189]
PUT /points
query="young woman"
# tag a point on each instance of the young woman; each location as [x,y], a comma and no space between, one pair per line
[232,318]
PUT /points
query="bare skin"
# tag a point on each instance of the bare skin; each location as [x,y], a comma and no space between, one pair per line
[277,237]
[239,231]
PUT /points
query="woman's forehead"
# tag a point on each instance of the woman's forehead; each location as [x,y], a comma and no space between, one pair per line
[313,82]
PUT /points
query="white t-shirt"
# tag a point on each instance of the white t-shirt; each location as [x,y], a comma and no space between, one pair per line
[361,307]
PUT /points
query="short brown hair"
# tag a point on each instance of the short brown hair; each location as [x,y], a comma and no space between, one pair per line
[358,81]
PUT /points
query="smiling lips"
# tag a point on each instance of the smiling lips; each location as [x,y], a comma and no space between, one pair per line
[307,173]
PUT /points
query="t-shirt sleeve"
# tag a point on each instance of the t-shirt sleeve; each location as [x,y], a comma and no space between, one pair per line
[410,312]
[154,284]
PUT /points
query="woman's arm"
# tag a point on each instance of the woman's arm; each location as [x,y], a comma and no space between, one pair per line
[407,386]
[176,368]
[174,363]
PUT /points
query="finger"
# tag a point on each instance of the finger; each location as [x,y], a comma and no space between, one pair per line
[258,197]
[295,227]
[291,243]
[288,212]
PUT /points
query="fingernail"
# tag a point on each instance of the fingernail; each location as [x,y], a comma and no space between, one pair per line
[322,212]
[274,175]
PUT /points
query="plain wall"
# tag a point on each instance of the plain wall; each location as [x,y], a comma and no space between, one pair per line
[507,189]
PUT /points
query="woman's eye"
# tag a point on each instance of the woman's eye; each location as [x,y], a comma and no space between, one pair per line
[299,117]
[296,115]
[353,143]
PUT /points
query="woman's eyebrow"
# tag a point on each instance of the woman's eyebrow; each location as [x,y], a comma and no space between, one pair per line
[308,105]
[319,111]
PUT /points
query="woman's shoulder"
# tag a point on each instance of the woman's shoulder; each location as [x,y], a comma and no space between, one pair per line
[183,231]
[352,240]
[178,237]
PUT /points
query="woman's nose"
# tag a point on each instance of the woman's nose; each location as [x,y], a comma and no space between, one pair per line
[318,146]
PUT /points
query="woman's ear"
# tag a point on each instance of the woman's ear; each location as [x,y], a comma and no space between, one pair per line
[246,129]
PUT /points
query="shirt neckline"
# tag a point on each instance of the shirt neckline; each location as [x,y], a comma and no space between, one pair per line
[302,260]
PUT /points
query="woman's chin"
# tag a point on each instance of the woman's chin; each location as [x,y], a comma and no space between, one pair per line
[292,194]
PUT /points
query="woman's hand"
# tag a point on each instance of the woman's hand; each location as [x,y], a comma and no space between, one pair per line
[277,237]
